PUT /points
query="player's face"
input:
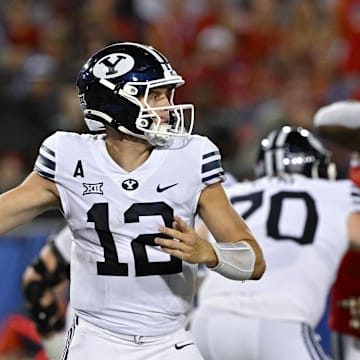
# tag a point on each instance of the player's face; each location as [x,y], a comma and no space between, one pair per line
[159,97]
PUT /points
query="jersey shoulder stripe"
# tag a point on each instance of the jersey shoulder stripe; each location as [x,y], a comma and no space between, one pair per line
[45,163]
[355,194]
[215,164]
[211,153]
[211,167]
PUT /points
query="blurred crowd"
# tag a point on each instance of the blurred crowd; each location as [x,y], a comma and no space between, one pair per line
[249,65]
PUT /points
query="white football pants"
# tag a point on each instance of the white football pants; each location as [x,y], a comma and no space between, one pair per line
[88,342]
[222,335]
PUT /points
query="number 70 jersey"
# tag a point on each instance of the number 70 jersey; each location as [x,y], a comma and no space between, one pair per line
[300,224]
[120,279]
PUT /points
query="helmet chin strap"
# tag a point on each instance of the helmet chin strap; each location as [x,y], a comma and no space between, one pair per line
[161,137]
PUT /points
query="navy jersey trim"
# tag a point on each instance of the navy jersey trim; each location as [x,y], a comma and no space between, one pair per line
[45,164]
[212,153]
[46,149]
[44,174]
[219,174]
[355,195]
[215,164]
[50,164]
[211,168]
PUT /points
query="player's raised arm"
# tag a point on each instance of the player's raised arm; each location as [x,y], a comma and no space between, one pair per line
[28,200]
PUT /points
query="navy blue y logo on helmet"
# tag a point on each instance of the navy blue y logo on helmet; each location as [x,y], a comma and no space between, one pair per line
[113,65]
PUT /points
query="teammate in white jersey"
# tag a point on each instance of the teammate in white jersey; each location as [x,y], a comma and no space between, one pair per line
[130,197]
[298,214]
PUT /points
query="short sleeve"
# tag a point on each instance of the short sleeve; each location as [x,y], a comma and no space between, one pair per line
[45,164]
[211,167]
[355,197]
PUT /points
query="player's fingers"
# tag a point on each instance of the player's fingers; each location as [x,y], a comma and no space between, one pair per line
[175,252]
[168,243]
[170,232]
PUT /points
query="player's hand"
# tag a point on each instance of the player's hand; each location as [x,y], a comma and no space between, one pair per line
[186,244]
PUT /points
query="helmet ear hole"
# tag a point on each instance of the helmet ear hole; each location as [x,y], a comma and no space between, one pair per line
[131,90]
[142,123]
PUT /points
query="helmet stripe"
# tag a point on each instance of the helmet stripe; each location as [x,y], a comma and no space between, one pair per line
[270,166]
[279,151]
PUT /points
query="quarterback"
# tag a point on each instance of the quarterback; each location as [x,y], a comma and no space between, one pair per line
[130,194]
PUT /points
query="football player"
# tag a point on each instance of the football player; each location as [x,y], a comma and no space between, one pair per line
[45,284]
[340,123]
[130,197]
[298,214]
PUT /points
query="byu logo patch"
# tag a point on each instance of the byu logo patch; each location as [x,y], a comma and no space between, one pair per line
[130,184]
[93,188]
[113,65]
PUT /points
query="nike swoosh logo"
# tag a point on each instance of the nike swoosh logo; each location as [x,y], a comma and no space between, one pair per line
[178,347]
[161,189]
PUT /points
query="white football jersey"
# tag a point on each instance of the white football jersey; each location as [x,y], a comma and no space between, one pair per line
[120,279]
[62,241]
[300,224]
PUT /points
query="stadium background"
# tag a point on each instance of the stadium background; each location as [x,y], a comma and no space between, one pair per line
[249,65]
